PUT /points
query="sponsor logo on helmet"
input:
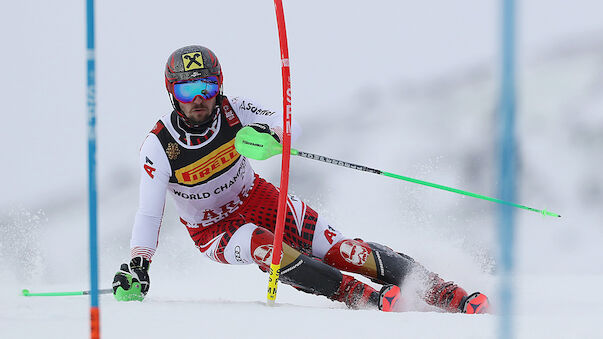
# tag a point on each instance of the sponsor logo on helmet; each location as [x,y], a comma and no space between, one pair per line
[209,165]
[196,75]
[353,252]
[192,61]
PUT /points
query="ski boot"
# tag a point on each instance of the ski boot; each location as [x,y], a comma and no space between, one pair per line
[476,303]
[452,298]
[358,295]
[389,298]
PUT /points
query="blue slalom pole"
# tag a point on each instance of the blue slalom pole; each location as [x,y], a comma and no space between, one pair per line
[508,161]
[92,203]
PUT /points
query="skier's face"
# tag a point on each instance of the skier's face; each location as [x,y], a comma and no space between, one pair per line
[198,110]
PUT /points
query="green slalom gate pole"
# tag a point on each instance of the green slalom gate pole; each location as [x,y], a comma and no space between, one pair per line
[261,146]
[27,293]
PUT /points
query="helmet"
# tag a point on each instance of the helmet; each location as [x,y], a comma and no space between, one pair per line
[187,63]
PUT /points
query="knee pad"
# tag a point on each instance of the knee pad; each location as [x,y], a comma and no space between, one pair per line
[375,261]
[352,255]
[261,247]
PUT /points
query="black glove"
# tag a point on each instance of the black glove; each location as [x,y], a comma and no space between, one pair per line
[132,282]
[263,128]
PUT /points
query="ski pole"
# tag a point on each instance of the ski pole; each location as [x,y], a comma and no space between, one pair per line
[26,293]
[261,146]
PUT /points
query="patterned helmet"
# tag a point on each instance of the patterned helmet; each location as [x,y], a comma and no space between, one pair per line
[187,63]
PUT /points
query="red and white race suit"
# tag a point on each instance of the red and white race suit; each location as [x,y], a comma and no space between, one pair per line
[218,196]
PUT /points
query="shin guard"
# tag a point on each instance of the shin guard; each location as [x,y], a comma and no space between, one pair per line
[445,294]
[356,294]
[313,276]
[310,275]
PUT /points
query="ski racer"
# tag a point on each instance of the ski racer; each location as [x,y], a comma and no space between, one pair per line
[230,211]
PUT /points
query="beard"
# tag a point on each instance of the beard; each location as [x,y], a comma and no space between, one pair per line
[199,113]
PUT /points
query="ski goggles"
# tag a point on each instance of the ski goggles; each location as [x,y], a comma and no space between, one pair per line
[206,88]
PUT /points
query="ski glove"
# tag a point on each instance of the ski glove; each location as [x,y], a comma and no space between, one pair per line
[131,282]
[263,128]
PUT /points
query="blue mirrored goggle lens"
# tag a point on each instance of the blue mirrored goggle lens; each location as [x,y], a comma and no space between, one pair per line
[206,88]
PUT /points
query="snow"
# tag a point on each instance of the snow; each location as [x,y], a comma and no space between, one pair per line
[430,116]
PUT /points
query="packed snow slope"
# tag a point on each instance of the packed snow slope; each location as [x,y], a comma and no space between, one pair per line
[425,107]
[439,131]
